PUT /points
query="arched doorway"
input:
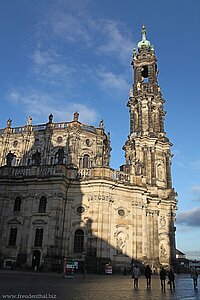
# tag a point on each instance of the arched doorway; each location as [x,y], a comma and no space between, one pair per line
[36,259]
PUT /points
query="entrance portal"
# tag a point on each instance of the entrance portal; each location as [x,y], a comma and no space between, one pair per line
[36,260]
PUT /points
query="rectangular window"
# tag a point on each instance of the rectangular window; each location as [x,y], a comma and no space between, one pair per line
[17,204]
[38,237]
[13,236]
[42,205]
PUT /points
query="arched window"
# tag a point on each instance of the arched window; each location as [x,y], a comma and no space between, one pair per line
[17,204]
[38,237]
[78,241]
[86,160]
[42,205]
[13,236]
[145,74]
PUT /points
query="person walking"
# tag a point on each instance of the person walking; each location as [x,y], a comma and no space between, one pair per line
[194,275]
[147,274]
[171,277]
[162,278]
[136,274]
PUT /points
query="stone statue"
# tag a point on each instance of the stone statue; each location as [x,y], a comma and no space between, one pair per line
[98,159]
[120,242]
[101,124]
[36,157]
[76,115]
[162,251]
[9,123]
[51,118]
[9,158]
[131,93]
[29,121]
[138,86]
[162,221]
[160,172]
[134,54]
[152,48]
[60,155]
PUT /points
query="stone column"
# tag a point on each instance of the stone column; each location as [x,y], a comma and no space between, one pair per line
[156,240]
[153,171]
[168,171]
[144,234]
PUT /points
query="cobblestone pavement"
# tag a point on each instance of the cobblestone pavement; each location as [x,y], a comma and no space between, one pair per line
[29,285]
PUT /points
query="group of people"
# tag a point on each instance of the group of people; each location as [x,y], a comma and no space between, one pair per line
[163,276]
[171,278]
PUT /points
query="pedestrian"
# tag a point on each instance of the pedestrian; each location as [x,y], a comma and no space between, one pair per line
[147,274]
[125,271]
[171,277]
[194,275]
[136,274]
[162,278]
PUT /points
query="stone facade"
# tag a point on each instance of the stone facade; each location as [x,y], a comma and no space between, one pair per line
[59,197]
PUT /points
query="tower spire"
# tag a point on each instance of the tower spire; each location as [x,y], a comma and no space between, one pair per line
[147,149]
[143,33]
[144,43]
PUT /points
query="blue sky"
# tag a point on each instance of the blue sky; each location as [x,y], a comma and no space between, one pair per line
[62,56]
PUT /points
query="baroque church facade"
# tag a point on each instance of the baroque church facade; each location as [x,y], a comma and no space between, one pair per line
[59,196]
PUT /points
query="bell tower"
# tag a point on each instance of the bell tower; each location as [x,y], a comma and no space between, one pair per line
[147,149]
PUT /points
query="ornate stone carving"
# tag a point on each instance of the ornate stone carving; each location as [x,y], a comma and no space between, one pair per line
[139,204]
[121,237]
[100,198]
[162,221]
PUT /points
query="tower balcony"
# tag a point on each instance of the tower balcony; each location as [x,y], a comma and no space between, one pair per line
[104,173]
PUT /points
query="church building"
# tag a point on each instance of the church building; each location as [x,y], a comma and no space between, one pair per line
[59,197]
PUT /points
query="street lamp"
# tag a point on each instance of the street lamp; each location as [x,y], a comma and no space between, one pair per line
[84,263]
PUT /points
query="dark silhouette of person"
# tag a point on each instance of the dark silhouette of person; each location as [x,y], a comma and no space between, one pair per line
[163,275]
[194,275]
[171,277]
[147,274]
[9,158]
[136,275]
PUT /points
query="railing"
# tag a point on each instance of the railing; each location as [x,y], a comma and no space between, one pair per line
[62,170]
[33,171]
[103,173]
[42,127]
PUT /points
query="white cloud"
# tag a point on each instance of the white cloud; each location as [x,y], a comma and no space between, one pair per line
[66,26]
[109,80]
[193,254]
[116,42]
[82,30]
[41,57]
[195,165]
[196,189]
[179,159]
[39,105]
[190,218]
[70,27]
[52,68]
